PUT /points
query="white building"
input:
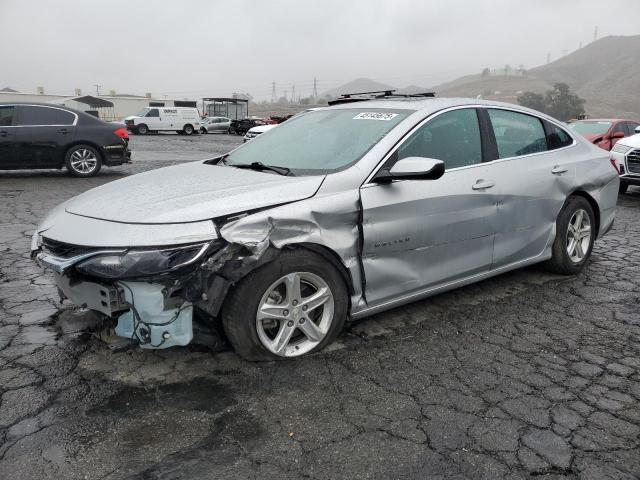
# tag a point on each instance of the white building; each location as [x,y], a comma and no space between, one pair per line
[108,107]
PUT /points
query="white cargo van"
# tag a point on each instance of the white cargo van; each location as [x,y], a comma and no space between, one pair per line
[184,120]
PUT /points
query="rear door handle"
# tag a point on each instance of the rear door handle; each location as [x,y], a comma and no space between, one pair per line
[557,170]
[63,131]
[4,133]
[483,184]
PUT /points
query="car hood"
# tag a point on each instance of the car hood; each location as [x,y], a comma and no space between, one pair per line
[190,192]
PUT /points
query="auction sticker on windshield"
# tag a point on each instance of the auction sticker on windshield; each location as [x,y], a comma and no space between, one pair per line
[375,116]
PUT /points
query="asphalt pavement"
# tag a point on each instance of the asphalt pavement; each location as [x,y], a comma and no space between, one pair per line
[527,374]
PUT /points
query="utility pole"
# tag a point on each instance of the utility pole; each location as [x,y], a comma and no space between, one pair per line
[548,58]
[97,89]
[595,34]
[274,97]
[580,45]
[315,87]
[293,93]
[285,94]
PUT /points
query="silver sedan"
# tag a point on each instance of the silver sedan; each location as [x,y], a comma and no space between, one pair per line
[337,214]
[215,125]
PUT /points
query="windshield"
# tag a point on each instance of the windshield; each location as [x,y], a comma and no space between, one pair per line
[142,112]
[319,142]
[590,128]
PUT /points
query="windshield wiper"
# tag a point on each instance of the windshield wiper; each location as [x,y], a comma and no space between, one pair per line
[259,166]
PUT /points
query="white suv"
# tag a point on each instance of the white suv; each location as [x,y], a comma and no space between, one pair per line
[626,155]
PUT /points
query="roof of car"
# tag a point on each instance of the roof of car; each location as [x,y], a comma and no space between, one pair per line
[604,120]
[431,105]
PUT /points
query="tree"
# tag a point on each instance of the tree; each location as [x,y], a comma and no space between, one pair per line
[563,104]
[486,72]
[559,102]
[532,100]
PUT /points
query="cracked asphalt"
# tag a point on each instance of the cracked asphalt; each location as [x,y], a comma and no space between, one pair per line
[527,374]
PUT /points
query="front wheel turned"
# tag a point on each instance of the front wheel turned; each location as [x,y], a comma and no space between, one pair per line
[287,308]
[575,234]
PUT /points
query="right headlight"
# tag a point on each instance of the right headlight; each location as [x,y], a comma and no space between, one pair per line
[142,263]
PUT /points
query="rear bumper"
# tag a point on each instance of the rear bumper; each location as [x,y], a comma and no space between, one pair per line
[116,154]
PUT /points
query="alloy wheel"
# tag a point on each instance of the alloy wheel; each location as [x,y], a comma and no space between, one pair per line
[578,236]
[295,314]
[84,161]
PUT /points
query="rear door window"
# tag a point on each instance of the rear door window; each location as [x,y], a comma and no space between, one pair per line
[453,137]
[517,133]
[31,115]
[7,116]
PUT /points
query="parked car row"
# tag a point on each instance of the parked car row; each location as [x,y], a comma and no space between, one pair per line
[605,132]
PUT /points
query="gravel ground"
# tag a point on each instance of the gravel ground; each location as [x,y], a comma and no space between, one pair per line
[524,374]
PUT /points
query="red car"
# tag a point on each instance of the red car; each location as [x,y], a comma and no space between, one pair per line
[604,132]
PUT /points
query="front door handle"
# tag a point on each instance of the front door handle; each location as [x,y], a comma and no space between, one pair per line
[558,169]
[63,131]
[4,133]
[483,184]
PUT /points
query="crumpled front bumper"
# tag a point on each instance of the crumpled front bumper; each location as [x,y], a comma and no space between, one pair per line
[144,313]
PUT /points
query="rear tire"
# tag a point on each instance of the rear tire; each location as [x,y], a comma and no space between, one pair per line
[575,235]
[622,189]
[250,335]
[188,129]
[83,161]
[142,129]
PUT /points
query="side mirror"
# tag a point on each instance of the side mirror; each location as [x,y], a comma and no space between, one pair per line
[637,130]
[618,135]
[412,168]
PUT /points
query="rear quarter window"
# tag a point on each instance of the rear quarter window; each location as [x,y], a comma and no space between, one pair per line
[557,137]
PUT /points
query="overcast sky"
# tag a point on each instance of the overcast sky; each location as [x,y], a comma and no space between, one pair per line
[191,48]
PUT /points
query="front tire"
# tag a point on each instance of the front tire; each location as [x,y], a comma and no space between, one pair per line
[292,306]
[575,235]
[83,161]
[203,131]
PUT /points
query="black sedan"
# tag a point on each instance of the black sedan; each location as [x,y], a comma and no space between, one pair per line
[50,136]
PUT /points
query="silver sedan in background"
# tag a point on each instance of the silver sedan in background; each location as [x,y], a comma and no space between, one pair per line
[337,214]
[215,125]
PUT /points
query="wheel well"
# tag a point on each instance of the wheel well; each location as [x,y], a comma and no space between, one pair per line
[594,207]
[332,257]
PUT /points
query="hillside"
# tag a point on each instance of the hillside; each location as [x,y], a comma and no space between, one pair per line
[358,85]
[606,73]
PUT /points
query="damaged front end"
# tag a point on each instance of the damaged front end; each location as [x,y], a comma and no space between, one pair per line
[149,292]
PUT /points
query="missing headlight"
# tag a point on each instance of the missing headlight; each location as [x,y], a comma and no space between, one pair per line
[142,263]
